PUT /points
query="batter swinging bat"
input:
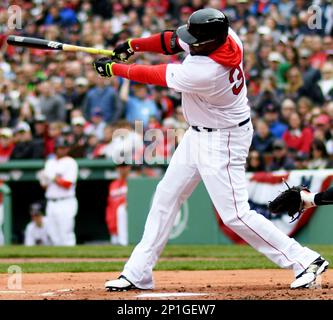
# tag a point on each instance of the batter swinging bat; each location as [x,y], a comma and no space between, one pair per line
[53,45]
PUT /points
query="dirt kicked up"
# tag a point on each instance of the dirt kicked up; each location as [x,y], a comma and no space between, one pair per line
[170,285]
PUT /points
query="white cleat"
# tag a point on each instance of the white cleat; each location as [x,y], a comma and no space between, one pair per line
[308,276]
[120,284]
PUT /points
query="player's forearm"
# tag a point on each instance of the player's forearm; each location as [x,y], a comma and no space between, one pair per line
[324,198]
[63,183]
[144,74]
[165,42]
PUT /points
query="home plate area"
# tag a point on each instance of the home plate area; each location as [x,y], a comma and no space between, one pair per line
[170,285]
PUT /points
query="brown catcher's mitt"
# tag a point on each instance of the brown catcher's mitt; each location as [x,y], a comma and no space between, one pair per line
[289,201]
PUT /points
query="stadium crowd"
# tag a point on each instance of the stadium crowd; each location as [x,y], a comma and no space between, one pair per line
[44,95]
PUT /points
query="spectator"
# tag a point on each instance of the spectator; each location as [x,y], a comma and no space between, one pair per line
[295,87]
[51,105]
[82,87]
[139,106]
[319,157]
[262,139]
[287,108]
[54,131]
[301,161]
[309,74]
[297,137]
[97,125]
[40,136]
[326,83]
[255,162]
[304,109]
[280,160]
[6,144]
[80,139]
[23,142]
[271,116]
[103,97]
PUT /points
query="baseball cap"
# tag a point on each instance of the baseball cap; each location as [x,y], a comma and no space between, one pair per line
[81,81]
[275,57]
[186,10]
[66,130]
[78,121]
[264,30]
[97,112]
[6,132]
[322,119]
[36,209]
[304,53]
[40,118]
[117,7]
[270,108]
[279,144]
[22,127]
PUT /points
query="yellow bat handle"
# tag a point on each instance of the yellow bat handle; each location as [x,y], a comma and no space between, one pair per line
[69,47]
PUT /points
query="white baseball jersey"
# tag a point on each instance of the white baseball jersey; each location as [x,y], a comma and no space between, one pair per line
[213,96]
[35,235]
[67,169]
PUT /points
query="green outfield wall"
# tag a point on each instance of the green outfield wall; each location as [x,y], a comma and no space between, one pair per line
[195,224]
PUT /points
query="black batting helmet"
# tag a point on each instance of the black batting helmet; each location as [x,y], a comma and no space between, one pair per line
[204,25]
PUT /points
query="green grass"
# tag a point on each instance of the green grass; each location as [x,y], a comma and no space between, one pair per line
[229,257]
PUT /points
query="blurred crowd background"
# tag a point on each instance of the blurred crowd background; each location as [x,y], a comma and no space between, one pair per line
[44,95]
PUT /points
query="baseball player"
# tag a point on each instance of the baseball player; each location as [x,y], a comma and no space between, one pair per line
[116,211]
[36,232]
[59,178]
[214,148]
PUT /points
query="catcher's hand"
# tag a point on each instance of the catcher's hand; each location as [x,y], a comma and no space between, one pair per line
[289,201]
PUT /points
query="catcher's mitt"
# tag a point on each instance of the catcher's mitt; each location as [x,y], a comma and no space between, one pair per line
[289,201]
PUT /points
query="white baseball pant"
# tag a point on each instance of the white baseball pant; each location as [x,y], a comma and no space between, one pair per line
[61,221]
[218,158]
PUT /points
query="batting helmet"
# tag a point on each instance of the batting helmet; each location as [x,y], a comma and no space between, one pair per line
[205,25]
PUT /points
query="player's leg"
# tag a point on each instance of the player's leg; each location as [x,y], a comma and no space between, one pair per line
[53,223]
[179,181]
[227,188]
[66,212]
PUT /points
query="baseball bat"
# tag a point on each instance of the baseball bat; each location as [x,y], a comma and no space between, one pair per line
[53,45]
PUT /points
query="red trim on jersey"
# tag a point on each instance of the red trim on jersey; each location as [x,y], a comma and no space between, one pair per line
[63,183]
[143,74]
[152,43]
[228,54]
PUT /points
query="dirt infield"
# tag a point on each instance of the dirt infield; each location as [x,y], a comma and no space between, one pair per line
[203,285]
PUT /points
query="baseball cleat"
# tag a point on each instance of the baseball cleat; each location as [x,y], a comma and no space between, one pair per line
[120,284]
[308,276]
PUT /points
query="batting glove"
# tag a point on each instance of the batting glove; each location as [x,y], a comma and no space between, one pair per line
[123,51]
[103,66]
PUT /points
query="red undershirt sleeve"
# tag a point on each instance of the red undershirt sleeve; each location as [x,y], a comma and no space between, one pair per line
[63,183]
[141,73]
[155,44]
